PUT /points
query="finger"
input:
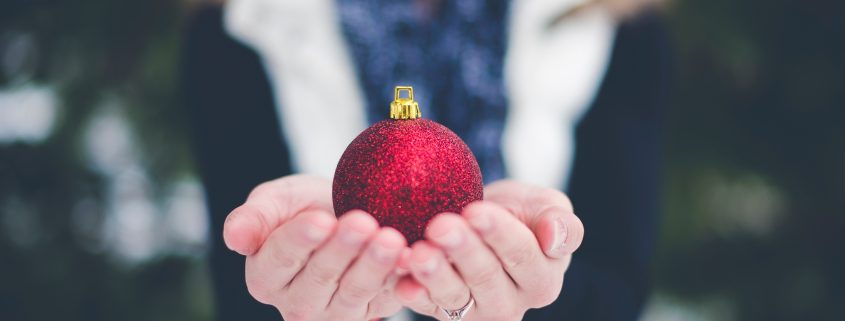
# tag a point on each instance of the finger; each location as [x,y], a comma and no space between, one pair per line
[271,204]
[385,303]
[413,295]
[513,242]
[559,232]
[363,280]
[319,278]
[402,265]
[431,269]
[283,255]
[524,200]
[477,264]
[547,211]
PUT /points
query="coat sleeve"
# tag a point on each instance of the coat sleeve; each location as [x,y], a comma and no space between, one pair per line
[616,181]
[237,143]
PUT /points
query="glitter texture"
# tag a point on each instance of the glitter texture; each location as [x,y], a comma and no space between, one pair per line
[404,172]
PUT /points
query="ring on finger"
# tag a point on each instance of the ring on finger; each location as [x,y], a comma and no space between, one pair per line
[458,314]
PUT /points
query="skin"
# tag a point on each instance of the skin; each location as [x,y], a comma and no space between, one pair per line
[509,252]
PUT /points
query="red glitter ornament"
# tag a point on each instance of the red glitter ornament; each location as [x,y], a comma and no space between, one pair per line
[405,170]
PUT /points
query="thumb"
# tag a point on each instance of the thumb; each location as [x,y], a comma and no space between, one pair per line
[245,229]
[270,205]
[558,231]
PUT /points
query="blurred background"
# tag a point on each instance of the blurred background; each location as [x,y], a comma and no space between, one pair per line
[102,216]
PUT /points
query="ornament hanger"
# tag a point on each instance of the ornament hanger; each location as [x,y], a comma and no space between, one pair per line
[404,108]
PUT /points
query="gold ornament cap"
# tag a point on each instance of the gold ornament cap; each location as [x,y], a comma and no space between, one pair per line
[404,107]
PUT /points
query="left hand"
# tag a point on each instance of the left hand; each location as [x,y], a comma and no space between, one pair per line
[508,252]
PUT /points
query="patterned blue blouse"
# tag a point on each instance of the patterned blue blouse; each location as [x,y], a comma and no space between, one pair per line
[452,52]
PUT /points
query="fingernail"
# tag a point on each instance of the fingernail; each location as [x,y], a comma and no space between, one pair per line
[480,221]
[426,267]
[235,215]
[236,219]
[451,238]
[429,266]
[559,241]
[383,253]
[352,237]
[238,243]
[315,232]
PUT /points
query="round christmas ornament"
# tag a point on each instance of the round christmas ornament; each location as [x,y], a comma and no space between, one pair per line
[404,170]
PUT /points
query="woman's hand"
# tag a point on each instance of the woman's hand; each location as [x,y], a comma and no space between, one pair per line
[308,264]
[508,252]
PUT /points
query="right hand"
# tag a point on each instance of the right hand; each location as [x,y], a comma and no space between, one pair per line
[307,263]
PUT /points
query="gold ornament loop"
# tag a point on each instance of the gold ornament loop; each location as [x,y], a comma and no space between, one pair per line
[404,108]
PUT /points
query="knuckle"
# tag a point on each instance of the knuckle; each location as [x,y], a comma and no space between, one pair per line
[381,306]
[484,277]
[297,307]
[353,294]
[550,196]
[519,257]
[286,260]
[256,283]
[546,293]
[456,298]
[322,275]
[297,313]
[257,290]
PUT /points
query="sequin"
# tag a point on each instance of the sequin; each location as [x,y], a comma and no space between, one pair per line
[403,172]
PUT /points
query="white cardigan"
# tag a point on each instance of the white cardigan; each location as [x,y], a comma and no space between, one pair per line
[551,74]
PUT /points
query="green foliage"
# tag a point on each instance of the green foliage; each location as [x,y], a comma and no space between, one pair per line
[92,53]
[759,98]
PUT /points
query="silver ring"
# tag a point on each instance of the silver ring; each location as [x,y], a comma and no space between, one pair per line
[458,314]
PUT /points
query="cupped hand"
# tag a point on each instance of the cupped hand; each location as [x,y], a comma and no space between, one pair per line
[308,264]
[508,252]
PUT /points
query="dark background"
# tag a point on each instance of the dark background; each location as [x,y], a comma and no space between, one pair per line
[102,216]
